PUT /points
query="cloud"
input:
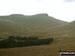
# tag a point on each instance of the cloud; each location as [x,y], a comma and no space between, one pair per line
[69,0]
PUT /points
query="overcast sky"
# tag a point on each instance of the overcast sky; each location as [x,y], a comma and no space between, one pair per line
[60,9]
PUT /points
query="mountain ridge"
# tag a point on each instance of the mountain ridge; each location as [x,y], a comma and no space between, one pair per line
[26,25]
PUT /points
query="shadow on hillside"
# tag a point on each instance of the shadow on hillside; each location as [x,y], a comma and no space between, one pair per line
[12,42]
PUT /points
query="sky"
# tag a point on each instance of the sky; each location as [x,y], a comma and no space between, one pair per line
[60,9]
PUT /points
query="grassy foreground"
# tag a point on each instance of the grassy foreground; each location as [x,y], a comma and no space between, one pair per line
[42,50]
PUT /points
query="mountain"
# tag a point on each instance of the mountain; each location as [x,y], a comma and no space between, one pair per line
[27,25]
[38,25]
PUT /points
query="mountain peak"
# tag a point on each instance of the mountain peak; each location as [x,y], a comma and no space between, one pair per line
[43,14]
[16,15]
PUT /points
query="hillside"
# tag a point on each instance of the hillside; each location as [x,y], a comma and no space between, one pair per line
[9,27]
[67,30]
[27,25]
[63,34]
[40,25]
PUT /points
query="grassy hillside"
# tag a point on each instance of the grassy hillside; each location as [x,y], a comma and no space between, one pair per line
[17,24]
[34,20]
[67,30]
[8,27]
[40,25]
